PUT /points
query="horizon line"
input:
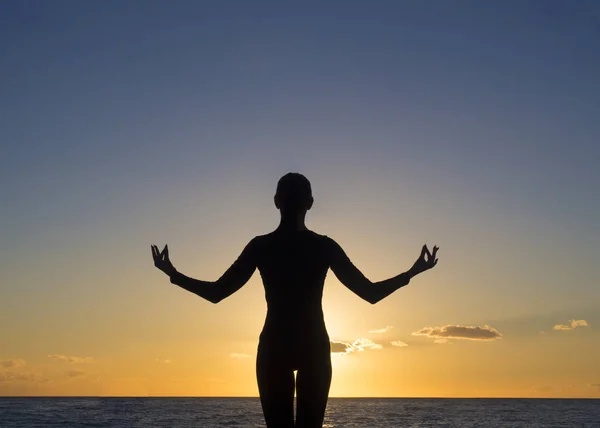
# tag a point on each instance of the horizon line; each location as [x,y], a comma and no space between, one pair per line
[257,397]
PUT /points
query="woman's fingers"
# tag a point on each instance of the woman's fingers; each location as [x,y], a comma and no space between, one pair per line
[155,255]
[159,256]
[427,252]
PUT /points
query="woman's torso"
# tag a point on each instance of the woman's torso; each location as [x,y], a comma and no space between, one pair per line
[293,266]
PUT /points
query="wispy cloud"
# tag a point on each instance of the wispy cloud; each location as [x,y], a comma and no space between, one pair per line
[9,376]
[359,345]
[362,344]
[573,324]
[74,373]
[382,330]
[339,347]
[398,343]
[468,332]
[12,363]
[71,359]
[239,356]
[158,360]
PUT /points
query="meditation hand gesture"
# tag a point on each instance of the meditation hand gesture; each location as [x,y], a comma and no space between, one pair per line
[422,264]
[161,260]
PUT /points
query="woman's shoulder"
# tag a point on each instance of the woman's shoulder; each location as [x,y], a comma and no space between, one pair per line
[320,236]
[275,235]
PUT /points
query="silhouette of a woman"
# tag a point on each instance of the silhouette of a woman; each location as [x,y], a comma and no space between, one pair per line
[293,262]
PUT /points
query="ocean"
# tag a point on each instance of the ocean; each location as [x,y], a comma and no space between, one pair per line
[341,412]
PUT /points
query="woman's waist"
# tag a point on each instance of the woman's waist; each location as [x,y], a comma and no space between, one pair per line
[284,344]
[279,330]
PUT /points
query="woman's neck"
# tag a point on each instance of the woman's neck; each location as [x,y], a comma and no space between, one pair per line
[292,223]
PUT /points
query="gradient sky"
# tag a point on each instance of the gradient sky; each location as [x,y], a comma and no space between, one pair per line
[471,125]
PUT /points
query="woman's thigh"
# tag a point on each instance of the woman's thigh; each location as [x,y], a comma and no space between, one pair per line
[312,390]
[276,387]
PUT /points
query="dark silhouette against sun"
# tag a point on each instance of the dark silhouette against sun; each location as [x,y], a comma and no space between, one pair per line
[293,262]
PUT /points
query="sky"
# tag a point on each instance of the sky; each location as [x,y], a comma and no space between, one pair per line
[469,125]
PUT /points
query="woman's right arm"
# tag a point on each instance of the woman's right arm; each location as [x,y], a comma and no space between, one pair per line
[214,291]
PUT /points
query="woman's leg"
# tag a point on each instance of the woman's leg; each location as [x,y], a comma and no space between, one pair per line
[312,390]
[276,388]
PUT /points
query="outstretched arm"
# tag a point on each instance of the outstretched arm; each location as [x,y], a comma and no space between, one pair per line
[373,292]
[214,291]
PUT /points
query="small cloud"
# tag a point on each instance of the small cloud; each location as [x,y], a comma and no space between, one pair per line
[339,347]
[573,324]
[382,330]
[398,343]
[70,359]
[442,341]
[158,360]
[595,385]
[467,332]
[74,373]
[359,345]
[12,363]
[239,356]
[362,344]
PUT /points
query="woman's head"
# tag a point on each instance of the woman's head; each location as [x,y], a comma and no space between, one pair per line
[294,194]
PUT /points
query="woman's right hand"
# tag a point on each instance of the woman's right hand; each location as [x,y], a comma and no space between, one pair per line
[424,263]
[161,260]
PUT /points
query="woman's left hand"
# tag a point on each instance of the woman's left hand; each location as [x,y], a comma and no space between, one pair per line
[425,261]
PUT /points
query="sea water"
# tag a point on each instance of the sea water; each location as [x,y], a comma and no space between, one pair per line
[341,412]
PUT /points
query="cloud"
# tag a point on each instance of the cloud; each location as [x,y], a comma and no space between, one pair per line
[7,376]
[70,359]
[338,347]
[239,356]
[359,345]
[158,360]
[442,341]
[12,363]
[382,330]
[398,343]
[468,332]
[74,373]
[362,344]
[573,324]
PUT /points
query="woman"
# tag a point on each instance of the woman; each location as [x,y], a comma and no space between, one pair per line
[293,262]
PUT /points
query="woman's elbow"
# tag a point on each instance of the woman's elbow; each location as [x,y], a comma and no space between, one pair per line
[212,294]
[216,296]
[372,299]
[214,299]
